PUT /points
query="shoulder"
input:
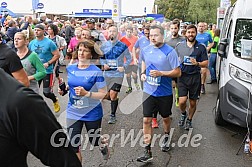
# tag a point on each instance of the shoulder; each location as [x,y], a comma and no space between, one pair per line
[201,46]
[181,44]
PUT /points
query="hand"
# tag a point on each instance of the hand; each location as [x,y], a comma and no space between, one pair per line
[143,77]
[69,50]
[80,91]
[135,62]
[193,61]
[120,69]
[155,73]
[46,65]
[106,67]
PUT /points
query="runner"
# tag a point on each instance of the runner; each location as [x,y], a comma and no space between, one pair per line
[48,54]
[113,64]
[193,57]
[159,65]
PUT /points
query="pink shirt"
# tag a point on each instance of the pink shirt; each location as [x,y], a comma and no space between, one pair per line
[73,43]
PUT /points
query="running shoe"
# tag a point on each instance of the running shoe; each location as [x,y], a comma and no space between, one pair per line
[112,120]
[146,157]
[203,90]
[165,144]
[129,90]
[56,106]
[182,120]
[137,86]
[188,125]
[105,151]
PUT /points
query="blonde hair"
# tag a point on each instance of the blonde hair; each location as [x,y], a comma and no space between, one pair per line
[24,34]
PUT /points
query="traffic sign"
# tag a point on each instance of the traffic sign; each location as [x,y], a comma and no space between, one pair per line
[4,5]
[40,5]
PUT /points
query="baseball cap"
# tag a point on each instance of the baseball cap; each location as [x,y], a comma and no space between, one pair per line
[40,26]
[90,21]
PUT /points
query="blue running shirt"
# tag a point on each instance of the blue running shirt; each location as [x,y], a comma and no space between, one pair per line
[79,107]
[164,58]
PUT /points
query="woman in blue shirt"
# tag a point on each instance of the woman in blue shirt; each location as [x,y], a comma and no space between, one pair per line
[86,87]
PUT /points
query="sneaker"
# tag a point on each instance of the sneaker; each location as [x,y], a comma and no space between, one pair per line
[112,120]
[146,157]
[165,144]
[188,125]
[137,86]
[182,120]
[105,152]
[129,90]
[203,90]
[154,123]
[56,106]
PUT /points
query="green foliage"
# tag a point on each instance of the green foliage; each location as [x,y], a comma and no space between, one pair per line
[190,10]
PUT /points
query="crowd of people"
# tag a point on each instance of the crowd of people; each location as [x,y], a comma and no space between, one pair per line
[158,57]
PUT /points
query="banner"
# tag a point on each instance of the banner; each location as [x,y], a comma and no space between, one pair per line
[35,4]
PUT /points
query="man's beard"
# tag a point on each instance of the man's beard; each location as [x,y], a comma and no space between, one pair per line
[174,34]
[192,39]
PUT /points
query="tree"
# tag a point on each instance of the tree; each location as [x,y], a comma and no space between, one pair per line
[189,10]
[173,8]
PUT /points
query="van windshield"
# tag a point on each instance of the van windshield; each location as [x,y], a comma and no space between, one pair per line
[243,32]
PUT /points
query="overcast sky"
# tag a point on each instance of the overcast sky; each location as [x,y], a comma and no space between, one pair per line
[129,7]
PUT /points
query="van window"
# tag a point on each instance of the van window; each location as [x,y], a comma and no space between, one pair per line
[243,30]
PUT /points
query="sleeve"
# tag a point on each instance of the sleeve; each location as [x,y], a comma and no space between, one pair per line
[53,46]
[204,55]
[173,59]
[13,61]
[38,131]
[137,43]
[62,42]
[40,69]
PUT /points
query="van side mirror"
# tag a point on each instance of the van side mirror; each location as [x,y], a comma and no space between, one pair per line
[222,48]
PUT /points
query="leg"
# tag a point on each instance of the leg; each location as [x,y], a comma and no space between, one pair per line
[165,106]
[47,87]
[203,79]
[74,129]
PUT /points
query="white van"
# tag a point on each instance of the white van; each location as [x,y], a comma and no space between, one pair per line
[234,66]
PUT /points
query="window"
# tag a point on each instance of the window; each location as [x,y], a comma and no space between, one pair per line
[243,30]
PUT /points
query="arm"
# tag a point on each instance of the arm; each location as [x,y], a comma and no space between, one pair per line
[143,72]
[134,53]
[21,76]
[172,74]
[40,69]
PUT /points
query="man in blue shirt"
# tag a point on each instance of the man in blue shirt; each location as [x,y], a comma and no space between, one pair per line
[48,54]
[205,38]
[113,65]
[159,65]
[193,57]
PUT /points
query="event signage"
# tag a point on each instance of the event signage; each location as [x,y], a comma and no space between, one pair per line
[40,5]
[4,5]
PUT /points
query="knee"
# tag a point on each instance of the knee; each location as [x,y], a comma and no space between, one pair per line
[147,121]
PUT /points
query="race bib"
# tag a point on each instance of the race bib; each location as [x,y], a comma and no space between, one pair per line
[187,61]
[153,80]
[112,63]
[80,102]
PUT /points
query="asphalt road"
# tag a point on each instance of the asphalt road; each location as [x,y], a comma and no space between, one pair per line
[207,145]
